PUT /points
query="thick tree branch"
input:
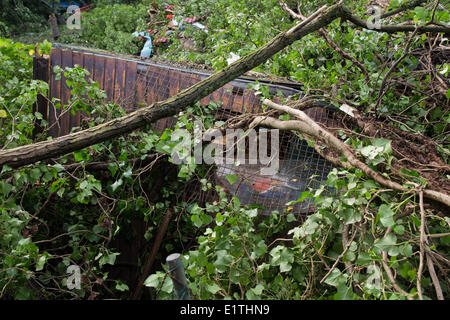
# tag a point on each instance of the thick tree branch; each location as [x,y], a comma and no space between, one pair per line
[308,126]
[28,154]
[32,153]
[396,28]
[404,7]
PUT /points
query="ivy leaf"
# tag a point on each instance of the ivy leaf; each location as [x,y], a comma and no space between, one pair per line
[363,258]
[116,184]
[335,278]
[386,216]
[213,288]
[350,215]
[5,188]
[232,178]
[344,292]
[41,262]
[152,281]
[260,250]
[122,286]
[387,242]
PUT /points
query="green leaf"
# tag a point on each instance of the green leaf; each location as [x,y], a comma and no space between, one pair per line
[41,262]
[152,281]
[350,215]
[213,288]
[335,278]
[122,286]
[5,188]
[344,292]
[387,242]
[116,184]
[363,258]
[232,178]
[290,217]
[260,250]
[386,216]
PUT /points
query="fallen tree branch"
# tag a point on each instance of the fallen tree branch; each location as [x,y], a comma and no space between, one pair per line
[32,153]
[404,7]
[35,152]
[421,245]
[396,28]
[425,254]
[308,126]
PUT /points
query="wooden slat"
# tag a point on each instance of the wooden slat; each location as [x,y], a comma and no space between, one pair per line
[141,85]
[216,96]
[130,85]
[65,95]
[41,71]
[238,102]
[99,71]
[250,101]
[77,59]
[89,65]
[151,84]
[227,97]
[55,92]
[110,71]
[119,83]
[174,82]
[162,88]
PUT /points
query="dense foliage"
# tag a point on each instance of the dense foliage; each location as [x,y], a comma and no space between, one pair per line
[362,243]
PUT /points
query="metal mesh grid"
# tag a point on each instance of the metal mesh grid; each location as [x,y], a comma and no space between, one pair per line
[132,84]
[301,167]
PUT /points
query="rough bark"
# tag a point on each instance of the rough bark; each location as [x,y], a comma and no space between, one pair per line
[308,126]
[32,153]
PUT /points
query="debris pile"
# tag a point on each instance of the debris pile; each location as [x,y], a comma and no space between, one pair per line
[164,24]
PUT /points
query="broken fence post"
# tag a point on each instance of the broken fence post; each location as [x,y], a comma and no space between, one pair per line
[176,271]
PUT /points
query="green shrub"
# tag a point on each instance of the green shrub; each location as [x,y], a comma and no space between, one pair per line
[110,27]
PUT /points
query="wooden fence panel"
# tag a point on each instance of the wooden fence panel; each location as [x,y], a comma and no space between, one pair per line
[133,84]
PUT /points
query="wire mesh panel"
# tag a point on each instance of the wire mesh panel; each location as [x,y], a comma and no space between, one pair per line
[300,168]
